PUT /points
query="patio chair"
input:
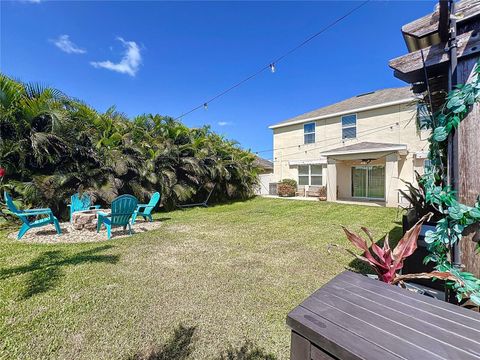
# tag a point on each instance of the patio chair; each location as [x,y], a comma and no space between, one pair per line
[80,203]
[24,215]
[145,210]
[123,208]
[203,203]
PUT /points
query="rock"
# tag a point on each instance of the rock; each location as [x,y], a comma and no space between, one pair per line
[84,220]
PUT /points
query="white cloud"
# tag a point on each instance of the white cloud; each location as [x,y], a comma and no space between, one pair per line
[64,43]
[224,123]
[130,62]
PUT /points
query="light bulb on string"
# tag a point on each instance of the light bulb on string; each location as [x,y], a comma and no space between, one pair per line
[272,67]
[205,106]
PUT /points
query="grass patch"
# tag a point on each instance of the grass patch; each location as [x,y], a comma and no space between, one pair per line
[212,283]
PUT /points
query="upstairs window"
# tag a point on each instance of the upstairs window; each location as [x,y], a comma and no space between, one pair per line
[424,118]
[427,164]
[349,127]
[309,133]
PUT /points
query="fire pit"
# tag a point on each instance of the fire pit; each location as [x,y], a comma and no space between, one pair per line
[86,219]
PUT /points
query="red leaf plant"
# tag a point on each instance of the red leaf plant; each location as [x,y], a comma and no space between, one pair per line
[385,261]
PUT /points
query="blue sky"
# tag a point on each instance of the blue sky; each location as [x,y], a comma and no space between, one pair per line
[168,57]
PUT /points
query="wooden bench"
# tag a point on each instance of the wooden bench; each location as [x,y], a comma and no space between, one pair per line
[354,317]
[300,191]
[313,191]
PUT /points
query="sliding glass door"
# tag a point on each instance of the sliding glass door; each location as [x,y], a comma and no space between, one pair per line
[368,182]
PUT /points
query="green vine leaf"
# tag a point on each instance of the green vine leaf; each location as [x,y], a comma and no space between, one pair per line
[475,299]
[440,134]
[474,213]
[457,216]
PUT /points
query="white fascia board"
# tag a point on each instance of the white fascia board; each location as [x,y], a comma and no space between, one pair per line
[365,151]
[321,161]
[346,112]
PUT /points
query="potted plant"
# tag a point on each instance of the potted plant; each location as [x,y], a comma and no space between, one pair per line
[322,193]
[387,262]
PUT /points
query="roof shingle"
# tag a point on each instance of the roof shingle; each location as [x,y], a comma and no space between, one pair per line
[263,163]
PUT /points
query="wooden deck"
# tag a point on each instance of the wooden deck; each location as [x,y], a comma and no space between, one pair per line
[354,317]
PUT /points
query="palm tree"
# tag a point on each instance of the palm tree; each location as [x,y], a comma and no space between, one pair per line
[52,145]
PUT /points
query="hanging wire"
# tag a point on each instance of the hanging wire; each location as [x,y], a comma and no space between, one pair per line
[425,74]
[275,61]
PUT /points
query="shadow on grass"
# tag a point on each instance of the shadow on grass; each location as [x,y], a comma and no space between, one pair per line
[178,347]
[394,235]
[45,271]
[181,345]
[248,351]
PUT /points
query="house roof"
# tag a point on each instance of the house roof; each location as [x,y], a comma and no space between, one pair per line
[263,163]
[364,147]
[367,101]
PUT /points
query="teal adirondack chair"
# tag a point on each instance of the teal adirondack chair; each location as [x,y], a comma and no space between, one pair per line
[25,214]
[145,210]
[80,203]
[123,208]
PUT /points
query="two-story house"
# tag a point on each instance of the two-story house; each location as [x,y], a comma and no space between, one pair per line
[360,148]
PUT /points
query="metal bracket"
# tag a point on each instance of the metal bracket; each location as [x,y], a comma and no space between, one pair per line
[453,44]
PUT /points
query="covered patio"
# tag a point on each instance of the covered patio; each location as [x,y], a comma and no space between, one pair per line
[365,172]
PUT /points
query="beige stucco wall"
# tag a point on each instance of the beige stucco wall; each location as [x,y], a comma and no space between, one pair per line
[394,124]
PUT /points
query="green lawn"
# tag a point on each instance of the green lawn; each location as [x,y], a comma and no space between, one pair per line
[210,283]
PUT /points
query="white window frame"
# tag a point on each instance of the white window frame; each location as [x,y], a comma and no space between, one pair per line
[309,133]
[349,127]
[310,174]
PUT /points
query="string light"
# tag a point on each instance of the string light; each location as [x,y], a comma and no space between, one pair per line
[271,65]
[205,106]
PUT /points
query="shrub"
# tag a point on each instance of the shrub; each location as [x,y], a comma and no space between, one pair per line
[287,187]
[290,182]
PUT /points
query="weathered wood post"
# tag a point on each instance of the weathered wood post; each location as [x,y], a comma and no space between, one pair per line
[428,35]
[468,181]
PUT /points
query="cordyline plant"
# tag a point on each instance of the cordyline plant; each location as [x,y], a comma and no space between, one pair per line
[384,260]
[387,262]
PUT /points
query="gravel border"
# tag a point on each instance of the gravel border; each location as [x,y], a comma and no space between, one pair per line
[47,234]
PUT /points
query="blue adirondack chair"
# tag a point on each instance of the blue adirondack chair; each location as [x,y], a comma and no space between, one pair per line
[123,208]
[80,203]
[24,215]
[145,210]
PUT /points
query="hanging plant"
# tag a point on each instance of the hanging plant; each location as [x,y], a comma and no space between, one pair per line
[456,216]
